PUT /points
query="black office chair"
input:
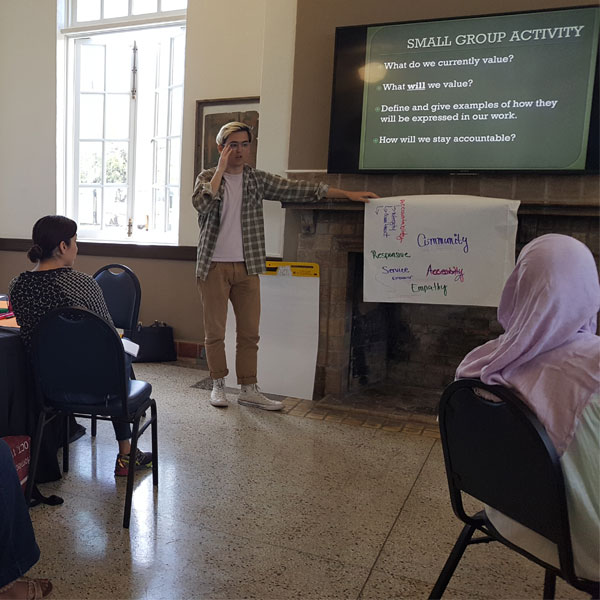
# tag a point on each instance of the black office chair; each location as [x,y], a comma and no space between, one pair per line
[122,294]
[79,370]
[499,453]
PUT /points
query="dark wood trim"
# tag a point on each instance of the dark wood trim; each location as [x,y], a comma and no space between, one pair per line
[117,250]
[562,210]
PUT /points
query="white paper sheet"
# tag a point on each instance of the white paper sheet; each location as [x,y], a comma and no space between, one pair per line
[438,249]
[289,336]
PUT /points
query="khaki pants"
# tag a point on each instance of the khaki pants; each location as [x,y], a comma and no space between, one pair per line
[230,281]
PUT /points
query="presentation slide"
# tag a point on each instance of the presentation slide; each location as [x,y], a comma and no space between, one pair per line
[502,92]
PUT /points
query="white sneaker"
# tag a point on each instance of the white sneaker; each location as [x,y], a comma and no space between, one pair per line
[217,396]
[251,396]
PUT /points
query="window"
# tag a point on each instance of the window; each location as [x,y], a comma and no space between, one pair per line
[123,155]
[83,12]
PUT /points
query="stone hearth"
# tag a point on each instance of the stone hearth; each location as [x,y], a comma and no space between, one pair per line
[398,356]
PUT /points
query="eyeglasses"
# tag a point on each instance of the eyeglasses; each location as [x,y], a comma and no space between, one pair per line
[237,145]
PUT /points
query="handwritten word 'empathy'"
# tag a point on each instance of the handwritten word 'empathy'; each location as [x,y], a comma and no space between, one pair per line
[497,37]
[418,288]
[455,240]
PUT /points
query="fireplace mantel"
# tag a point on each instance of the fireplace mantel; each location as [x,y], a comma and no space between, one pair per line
[431,339]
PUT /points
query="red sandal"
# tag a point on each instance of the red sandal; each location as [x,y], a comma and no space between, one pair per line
[27,589]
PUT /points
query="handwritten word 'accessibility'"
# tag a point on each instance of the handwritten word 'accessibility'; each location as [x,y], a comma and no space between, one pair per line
[456,271]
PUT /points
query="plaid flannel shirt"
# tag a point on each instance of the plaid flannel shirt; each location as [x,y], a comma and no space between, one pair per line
[257,186]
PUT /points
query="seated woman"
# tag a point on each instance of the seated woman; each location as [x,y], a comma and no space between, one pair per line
[18,550]
[549,354]
[53,283]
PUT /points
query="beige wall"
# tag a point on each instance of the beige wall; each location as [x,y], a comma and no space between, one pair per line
[258,60]
[223,59]
[27,113]
[168,288]
[313,68]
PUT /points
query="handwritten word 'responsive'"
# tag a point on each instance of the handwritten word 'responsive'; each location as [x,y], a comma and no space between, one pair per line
[386,255]
[454,240]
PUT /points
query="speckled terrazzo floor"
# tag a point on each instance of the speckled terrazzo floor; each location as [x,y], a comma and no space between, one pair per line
[255,504]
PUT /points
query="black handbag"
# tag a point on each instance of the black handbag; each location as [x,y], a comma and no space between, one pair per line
[156,342]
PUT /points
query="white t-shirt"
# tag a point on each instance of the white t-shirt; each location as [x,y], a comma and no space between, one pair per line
[581,470]
[229,246]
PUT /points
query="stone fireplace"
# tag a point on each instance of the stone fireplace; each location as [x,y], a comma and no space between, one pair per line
[404,348]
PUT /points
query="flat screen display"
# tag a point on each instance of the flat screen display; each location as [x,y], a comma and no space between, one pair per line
[511,92]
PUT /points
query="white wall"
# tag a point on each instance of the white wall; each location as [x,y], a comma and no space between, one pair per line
[226,43]
[223,59]
[27,114]
[276,108]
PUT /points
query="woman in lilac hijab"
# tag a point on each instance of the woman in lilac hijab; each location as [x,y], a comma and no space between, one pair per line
[549,354]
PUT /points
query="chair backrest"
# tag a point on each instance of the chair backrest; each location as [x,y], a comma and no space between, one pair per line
[122,293]
[78,358]
[499,453]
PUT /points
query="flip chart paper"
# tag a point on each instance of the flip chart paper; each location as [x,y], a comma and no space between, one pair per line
[289,336]
[438,249]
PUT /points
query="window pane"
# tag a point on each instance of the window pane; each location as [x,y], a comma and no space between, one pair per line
[92,68]
[115,8]
[176,111]
[172,208]
[116,162]
[117,116]
[90,202]
[173,5]
[164,58]
[90,116]
[174,161]
[141,7]
[178,59]
[159,209]
[142,208]
[161,117]
[161,155]
[88,10]
[90,162]
[118,68]
[115,207]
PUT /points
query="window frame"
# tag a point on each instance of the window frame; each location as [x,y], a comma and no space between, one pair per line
[72,25]
[68,177]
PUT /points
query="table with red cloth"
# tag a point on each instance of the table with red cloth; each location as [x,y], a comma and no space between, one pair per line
[18,412]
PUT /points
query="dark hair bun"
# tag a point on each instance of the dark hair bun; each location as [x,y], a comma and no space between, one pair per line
[35,253]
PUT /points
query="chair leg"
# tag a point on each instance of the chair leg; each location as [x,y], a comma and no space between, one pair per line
[452,562]
[131,473]
[549,585]
[94,423]
[66,436]
[39,432]
[154,432]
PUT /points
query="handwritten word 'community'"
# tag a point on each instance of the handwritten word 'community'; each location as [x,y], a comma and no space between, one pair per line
[457,239]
